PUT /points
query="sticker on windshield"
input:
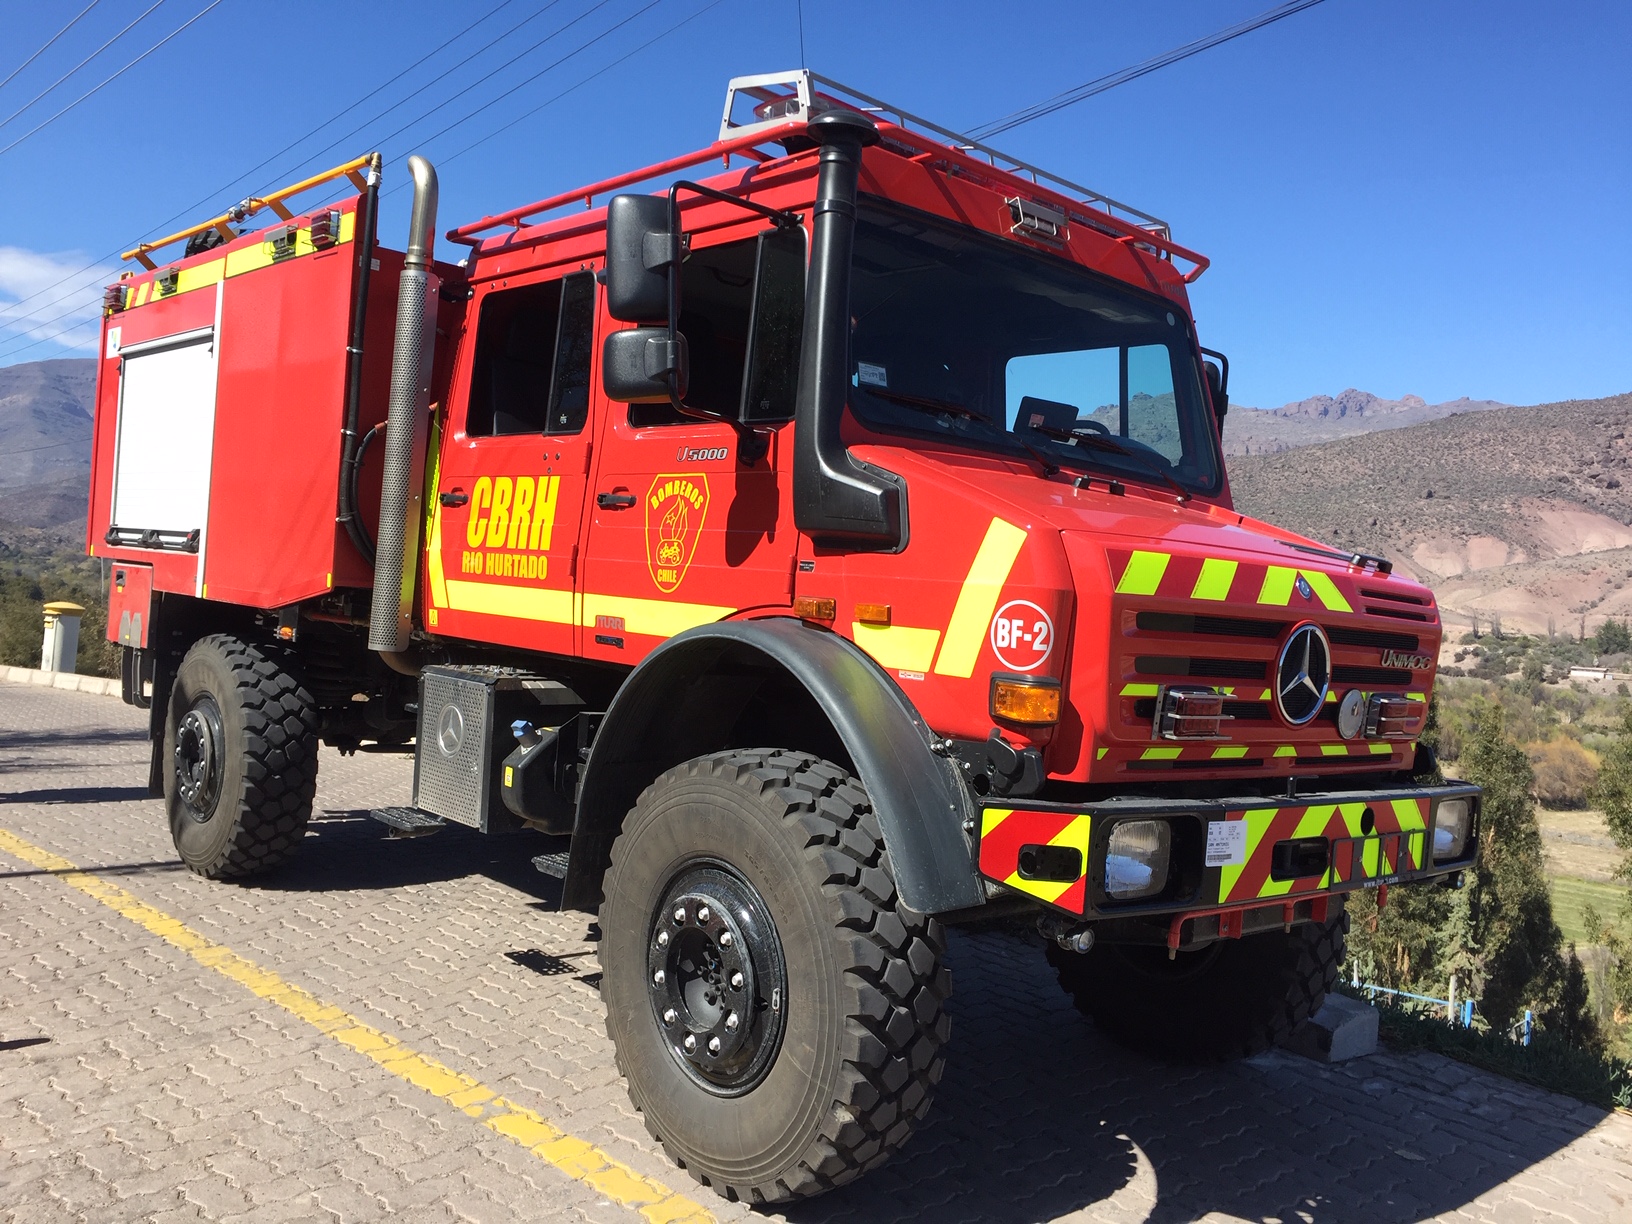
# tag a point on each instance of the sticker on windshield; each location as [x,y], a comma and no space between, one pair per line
[870,375]
[1022,636]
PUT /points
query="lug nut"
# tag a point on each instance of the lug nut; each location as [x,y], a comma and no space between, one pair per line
[662,939]
[690,1043]
[725,939]
[731,1023]
[736,981]
[702,913]
[669,1016]
[713,1045]
[659,978]
[680,913]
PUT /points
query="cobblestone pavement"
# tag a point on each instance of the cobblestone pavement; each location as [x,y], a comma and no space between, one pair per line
[138,1082]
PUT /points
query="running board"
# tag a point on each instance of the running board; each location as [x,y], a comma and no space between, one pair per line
[408,821]
[553,864]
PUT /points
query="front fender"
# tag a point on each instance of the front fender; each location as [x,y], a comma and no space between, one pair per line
[922,805]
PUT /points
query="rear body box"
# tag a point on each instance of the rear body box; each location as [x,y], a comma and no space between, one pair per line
[220,403]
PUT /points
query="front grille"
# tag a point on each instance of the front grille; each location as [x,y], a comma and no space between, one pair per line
[1343,635]
[1217,669]
[1348,674]
[1217,626]
[1395,596]
[1401,614]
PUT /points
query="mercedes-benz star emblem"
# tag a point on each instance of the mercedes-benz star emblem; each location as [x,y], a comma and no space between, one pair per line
[1302,674]
[450,730]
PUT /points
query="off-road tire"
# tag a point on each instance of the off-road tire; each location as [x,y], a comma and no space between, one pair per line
[1231,999]
[267,767]
[866,1027]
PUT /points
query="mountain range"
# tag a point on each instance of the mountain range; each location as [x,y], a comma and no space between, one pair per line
[1325,418]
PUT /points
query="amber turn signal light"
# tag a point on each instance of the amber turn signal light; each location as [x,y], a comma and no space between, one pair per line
[1024,699]
[873,613]
[809,608]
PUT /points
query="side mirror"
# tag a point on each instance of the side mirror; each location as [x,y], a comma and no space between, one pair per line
[641,365]
[1218,383]
[639,251]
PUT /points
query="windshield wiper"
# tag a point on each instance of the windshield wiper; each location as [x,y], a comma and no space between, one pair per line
[1098,441]
[924,403]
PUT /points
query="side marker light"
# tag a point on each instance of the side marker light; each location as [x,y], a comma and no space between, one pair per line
[1034,701]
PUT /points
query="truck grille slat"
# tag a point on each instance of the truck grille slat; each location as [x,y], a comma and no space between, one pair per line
[1219,669]
[1349,674]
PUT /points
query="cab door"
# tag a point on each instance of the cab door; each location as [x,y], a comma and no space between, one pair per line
[513,470]
[682,532]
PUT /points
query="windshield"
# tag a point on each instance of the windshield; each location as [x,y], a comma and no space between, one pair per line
[985,343]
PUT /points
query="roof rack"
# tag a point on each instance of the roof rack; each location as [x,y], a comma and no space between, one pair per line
[785,102]
[793,95]
[248,208]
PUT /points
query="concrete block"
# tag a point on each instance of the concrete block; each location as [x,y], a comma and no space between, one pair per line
[1342,1029]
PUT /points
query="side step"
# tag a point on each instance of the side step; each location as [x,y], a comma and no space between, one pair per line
[553,864]
[408,821]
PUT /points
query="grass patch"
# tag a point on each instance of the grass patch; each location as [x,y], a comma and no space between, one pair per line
[1547,1062]
[1571,897]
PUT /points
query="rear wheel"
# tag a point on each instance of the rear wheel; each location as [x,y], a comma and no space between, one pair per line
[240,757]
[1233,998]
[778,1014]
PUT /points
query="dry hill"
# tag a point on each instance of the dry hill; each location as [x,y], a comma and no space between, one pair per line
[1325,418]
[45,442]
[1522,513]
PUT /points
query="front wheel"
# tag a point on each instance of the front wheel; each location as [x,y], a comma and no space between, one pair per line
[1230,999]
[778,1014]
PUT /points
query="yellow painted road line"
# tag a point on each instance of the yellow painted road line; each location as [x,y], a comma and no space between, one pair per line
[575,1157]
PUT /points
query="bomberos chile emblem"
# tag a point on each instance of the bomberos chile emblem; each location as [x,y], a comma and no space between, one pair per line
[676,506]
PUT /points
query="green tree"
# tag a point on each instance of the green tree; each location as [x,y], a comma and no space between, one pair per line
[1511,942]
[1612,637]
[1613,791]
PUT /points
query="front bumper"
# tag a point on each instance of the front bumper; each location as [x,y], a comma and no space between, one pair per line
[1373,838]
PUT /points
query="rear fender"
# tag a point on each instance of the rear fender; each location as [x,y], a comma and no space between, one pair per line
[679,704]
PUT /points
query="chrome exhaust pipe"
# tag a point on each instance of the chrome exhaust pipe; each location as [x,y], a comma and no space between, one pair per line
[402,488]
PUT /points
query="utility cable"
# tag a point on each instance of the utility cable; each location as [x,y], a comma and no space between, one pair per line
[81,63]
[191,208]
[109,80]
[1100,84]
[49,42]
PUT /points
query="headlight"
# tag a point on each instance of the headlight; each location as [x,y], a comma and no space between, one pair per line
[1453,820]
[1136,859]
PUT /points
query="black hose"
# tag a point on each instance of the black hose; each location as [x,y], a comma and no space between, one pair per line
[364,543]
[351,457]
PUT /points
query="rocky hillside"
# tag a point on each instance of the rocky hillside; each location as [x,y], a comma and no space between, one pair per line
[45,442]
[1521,513]
[1325,418]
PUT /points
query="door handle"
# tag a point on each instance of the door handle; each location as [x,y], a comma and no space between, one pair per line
[614,501]
[453,497]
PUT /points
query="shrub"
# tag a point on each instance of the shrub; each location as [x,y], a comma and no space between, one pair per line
[1565,772]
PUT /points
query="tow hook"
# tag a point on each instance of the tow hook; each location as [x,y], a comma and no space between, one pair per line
[1075,937]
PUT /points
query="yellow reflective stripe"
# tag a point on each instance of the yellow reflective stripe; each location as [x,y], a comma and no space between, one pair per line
[1277,588]
[1160,754]
[652,617]
[1230,752]
[1267,695]
[433,558]
[1382,750]
[1258,821]
[1075,835]
[898,646]
[249,259]
[1409,813]
[992,817]
[1140,690]
[1416,696]
[523,603]
[1314,820]
[1144,573]
[1214,580]
[1326,591]
[1286,750]
[1352,814]
[1100,756]
[977,600]
[1334,750]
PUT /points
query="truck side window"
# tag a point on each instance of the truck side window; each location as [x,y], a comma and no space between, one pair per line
[531,373]
[742,307]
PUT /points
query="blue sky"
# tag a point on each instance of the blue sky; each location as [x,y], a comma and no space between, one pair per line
[1406,197]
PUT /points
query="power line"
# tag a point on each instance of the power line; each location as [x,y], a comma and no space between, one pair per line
[1100,84]
[81,63]
[109,80]
[214,194]
[49,42]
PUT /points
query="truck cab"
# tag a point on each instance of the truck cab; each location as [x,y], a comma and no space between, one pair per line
[819,554]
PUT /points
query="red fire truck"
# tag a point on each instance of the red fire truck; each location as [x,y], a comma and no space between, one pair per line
[818,554]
